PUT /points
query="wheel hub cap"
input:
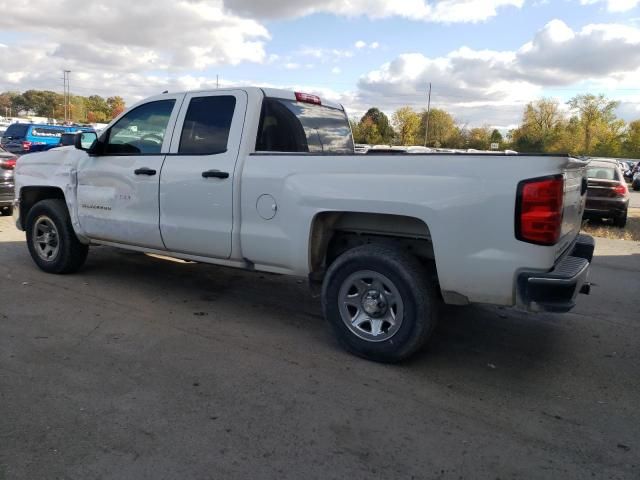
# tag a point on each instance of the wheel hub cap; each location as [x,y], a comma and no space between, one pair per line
[371,306]
[374,303]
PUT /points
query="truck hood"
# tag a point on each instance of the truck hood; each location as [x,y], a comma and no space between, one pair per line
[49,164]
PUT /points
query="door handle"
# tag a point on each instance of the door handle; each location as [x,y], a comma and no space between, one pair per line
[215,174]
[144,171]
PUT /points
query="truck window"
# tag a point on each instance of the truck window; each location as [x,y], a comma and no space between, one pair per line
[291,126]
[16,130]
[47,131]
[206,125]
[141,130]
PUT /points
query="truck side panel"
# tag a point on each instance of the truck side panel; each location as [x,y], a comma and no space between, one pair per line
[467,202]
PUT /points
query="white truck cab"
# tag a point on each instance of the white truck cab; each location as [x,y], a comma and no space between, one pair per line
[268,180]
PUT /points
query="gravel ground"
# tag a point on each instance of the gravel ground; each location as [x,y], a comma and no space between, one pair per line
[141,368]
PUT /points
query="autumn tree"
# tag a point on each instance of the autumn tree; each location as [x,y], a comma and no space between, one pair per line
[479,138]
[381,122]
[407,125]
[631,146]
[542,123]
[116,106]
[442,128]
[596,114]
[366,131]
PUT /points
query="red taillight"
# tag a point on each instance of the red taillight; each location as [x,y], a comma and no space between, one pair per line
[26,145]
[308,98]
[621,190]
[539,210]
[8,164]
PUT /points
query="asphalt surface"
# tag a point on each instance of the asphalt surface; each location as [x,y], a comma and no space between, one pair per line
[634,201]
[138,368]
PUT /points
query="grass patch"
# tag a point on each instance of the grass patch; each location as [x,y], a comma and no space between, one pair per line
[606,229]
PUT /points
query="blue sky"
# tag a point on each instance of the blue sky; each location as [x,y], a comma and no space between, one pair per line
[485,58]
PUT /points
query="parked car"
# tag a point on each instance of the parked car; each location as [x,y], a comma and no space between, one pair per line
[268,180]
[607,192]
[635,182]
[7,167]
[21,138]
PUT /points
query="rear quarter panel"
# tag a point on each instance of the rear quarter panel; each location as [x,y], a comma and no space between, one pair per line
[467,202]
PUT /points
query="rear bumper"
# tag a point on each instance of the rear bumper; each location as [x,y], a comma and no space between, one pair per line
[606,206]
[556,291]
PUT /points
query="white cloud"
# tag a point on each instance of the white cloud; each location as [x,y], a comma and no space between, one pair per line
[492,86]
[127,35]
[336,70]
[360,44]
[615,5]
[446,11]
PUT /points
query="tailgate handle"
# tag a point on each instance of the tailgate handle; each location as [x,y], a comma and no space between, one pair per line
[584,186]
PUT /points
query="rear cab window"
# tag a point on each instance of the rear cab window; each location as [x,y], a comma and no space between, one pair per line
[16,130]
[293,126]
[604,172]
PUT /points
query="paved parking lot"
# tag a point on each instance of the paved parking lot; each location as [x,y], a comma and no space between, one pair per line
[139,367]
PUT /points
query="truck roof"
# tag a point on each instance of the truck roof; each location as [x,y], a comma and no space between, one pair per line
[268,92]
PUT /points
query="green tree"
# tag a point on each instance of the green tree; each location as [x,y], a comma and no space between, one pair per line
[407,125]
[496,137]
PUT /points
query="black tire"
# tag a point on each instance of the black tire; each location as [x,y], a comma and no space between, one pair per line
[71,254]
[621,220]
[6,211]
[414,285]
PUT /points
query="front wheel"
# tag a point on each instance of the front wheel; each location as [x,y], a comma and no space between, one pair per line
[379,302]
[52,243]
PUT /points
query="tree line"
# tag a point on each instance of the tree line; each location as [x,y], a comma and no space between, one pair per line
[45,103]
[585,125]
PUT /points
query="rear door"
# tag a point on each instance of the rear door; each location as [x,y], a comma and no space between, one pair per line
[196,184]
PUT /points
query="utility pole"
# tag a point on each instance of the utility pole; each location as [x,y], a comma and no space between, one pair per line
[66,95]
[426,131]
[217,82]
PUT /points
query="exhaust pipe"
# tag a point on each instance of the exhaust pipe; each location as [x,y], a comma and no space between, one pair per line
[586,288]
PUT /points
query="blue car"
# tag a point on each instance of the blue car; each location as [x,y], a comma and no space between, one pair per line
[21,138]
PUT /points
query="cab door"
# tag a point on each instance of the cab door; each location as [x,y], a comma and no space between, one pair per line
[196,184]
[118,184]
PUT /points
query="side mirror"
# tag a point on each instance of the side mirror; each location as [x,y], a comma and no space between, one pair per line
[85,140]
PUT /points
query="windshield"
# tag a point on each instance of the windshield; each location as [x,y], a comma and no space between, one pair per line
[290,126]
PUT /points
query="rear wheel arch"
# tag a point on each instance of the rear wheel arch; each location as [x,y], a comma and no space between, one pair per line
[333,233]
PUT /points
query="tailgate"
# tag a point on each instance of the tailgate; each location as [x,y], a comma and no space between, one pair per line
[575,196]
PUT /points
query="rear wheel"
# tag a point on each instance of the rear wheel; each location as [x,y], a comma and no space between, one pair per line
[380,302]
[6,210]
[621,220]
[52,243]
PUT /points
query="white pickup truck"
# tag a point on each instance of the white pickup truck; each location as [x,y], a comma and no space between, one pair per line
[267,180]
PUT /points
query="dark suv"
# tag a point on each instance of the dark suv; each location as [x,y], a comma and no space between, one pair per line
[7,165]
[607,193]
